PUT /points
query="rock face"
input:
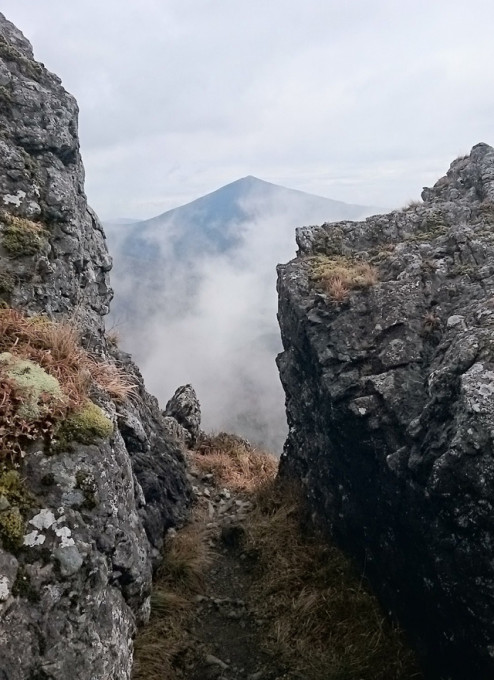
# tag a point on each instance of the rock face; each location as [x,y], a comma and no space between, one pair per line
[184,408]
[93,514]
[388,370]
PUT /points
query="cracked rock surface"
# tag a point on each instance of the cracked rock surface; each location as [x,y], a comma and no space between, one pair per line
[72,594]
[389,395]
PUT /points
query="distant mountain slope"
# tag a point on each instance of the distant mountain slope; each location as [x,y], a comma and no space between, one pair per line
[214,222]
[195,298]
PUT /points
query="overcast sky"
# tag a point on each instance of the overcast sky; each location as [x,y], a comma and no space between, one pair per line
[363,101]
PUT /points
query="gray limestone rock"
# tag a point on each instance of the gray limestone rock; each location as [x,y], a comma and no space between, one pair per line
[74,591]
[185,408]
[389,394]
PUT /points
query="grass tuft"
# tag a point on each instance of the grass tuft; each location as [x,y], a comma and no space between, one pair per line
[338,275]
[234,462]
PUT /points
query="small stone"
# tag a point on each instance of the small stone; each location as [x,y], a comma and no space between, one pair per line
[69,559]
[214,661]
[233,615]
[4,503]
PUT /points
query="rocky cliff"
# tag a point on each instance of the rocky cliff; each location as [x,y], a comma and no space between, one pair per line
[388,369]
[89,479]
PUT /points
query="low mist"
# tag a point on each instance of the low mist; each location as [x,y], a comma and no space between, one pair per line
[207,316]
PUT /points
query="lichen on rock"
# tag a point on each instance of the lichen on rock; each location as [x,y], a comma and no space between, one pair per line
[36,388]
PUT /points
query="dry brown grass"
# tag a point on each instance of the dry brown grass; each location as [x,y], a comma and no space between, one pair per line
[162,648]
[322,622]
[234,463]
[186,558]
[319,620]
[337,289]
[56,348]
[338,275]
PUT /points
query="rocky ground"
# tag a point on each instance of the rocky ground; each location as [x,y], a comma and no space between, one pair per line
[226,629]
[245,593]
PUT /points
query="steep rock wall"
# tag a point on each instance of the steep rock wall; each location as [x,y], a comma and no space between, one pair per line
[389,380]
[72,592]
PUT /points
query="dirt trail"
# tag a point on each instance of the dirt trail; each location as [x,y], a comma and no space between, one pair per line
[247,591]
[226,632]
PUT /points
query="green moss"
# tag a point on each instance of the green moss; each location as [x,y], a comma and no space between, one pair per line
[11,528]
[84,426]
[33,383]
[20,501]
[12,487]
[22,237]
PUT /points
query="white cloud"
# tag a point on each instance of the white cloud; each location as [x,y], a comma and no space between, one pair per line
[179,98]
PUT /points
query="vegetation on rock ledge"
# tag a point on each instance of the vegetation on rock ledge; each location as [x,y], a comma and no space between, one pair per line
[45,377]
[338,275]
[22,237]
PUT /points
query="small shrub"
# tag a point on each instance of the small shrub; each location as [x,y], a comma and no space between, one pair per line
[56,347]
[433,226]
[113,338]
[337,276]
[412,205]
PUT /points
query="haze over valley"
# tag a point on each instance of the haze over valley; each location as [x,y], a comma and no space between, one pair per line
[195,298]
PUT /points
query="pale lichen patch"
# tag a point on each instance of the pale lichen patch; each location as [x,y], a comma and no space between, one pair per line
[33,382]
[15,199]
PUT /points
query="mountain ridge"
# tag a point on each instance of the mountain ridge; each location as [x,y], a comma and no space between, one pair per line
[237,190]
